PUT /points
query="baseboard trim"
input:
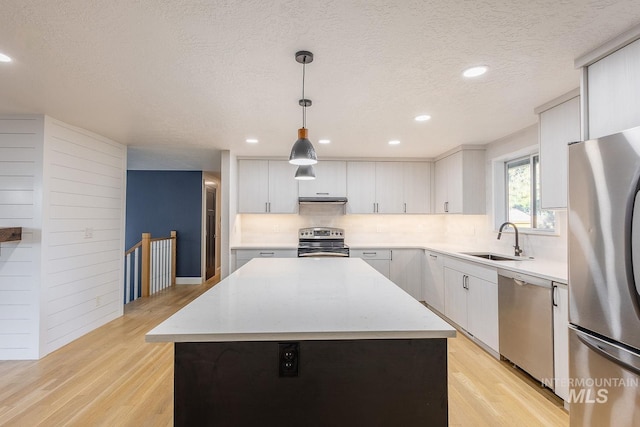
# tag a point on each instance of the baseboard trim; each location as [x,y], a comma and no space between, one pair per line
[188,280]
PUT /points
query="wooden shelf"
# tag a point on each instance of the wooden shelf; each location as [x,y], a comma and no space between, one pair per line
[11,234]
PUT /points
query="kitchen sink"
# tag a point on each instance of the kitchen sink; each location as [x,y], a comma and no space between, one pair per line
[496,257]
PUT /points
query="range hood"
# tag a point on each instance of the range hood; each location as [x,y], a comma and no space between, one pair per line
[325,200]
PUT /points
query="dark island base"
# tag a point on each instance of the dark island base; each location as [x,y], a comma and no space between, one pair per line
[339,383]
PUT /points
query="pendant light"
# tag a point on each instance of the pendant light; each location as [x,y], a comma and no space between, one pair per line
[305,173]
[302,152]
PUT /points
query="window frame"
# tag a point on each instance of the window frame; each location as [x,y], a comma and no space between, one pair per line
[532,159]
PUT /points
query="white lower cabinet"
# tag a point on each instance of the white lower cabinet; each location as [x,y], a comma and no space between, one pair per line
[243,256]
[561,339]
[406,271]
[402,266]
[433,280]
[380,259]
[471,299]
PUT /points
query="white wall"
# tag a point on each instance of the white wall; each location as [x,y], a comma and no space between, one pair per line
[83,239]
[21,140]
[230,221]
[65,186]
[540,245]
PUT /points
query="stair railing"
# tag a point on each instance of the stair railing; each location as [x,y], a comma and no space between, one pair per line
[150,266]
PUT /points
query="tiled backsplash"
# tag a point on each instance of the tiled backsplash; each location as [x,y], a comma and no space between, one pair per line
[472,231]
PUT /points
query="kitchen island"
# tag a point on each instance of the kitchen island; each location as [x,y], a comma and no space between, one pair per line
[297,341]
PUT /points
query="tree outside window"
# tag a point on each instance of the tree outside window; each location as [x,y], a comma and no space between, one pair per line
[523,195]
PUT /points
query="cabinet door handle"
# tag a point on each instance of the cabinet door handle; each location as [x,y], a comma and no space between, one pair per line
[446,206]
[322,194]
[405,208]
[374,208]
[266,206]
[391,257]
[369,253]
[553,295]
[267,253]
[433,256]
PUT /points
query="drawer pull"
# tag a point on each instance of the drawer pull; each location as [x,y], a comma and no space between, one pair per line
[267,253]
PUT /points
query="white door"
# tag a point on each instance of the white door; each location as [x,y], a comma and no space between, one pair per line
[253,186]
[389,187]
[283,187]
[405,271]
[433,280]
[361,187]
[482,311]
[417,187]
[441,185]
[331,180]
[561,340]
[455,297]
[455,188]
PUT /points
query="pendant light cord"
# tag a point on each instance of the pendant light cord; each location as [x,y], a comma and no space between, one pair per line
[304,101]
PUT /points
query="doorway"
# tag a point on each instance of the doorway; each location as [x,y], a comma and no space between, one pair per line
[211,227]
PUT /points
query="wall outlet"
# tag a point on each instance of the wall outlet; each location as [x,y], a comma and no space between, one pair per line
[289,359]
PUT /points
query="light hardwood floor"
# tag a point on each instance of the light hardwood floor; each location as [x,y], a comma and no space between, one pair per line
[112,377]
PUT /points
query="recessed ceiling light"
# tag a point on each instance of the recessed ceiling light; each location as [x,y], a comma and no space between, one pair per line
[252,141]
[324,141]
[4,58]
[475,71]
[422,118]
[394,142]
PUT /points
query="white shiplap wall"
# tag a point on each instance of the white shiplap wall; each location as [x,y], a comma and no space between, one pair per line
[83,240]
[21,141]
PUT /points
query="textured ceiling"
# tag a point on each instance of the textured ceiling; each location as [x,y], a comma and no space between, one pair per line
[207,74]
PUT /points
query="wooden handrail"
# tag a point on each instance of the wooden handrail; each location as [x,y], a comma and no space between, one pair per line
[145,262]
[174,249]
[133,248]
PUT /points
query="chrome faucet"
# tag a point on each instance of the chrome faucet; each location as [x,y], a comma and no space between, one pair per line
[517,249]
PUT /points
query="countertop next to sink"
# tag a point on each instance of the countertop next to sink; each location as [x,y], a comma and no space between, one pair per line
[551,270]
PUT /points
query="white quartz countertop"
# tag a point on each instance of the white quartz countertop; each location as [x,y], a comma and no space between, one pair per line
[551,270]
[302,299]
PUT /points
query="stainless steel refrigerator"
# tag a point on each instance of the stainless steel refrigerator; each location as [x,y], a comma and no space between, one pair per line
[604,280]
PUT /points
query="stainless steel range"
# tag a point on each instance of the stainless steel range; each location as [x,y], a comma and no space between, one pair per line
[322,241]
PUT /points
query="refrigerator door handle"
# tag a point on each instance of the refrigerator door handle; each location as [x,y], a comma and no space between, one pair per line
[616,354]
[635,246]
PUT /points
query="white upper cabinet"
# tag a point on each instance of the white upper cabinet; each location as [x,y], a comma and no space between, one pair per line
[417,187]
[361,187]
[559,126]
[331,180]
[388,187]
[460,183]
[253,186]
[613,85]
[267,186]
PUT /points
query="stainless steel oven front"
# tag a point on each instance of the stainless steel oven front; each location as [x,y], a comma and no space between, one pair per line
[322,242]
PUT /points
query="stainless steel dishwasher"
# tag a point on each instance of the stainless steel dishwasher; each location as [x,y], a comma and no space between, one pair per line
[526,322]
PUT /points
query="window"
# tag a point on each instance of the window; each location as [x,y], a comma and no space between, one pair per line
[522,177]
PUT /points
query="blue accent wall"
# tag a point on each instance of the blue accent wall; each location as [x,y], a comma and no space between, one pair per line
[161,201]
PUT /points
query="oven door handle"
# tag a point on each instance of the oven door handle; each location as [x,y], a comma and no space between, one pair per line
[311,254]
